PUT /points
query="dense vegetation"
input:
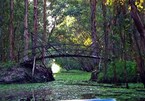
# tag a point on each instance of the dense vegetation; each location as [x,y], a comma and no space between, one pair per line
[104,37]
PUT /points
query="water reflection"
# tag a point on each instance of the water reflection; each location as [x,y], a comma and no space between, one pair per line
[35,95]
[132,99]
[88,96]
[51,95]
[92,96]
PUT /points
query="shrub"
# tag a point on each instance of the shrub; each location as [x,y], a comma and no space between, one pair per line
[7,64]
[131,72]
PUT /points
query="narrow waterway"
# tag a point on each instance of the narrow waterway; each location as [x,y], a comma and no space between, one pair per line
[55,91]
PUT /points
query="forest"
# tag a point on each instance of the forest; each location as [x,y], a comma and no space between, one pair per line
[54,50]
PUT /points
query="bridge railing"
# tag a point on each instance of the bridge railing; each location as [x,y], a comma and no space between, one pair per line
[61,50]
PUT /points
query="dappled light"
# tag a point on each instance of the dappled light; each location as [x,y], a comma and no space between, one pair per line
[109,2]
[88,42]
[140,5]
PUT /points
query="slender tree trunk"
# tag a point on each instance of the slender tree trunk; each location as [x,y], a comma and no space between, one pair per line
[115,79]
[44,31]
[93,27]
[94,38]
[3,50]
[124,49]
[26,34]
[11,36]
[35,27]
[123,39]
[105,39]
[122,13]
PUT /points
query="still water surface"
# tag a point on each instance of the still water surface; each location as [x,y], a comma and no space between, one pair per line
[56,92]
[50,95]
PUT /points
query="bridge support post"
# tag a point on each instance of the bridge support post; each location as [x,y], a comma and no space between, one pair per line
[34,65]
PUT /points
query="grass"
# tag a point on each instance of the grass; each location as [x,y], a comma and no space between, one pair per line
[72,75]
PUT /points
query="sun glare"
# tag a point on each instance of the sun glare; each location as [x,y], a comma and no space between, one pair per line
[31,0]
[55,68]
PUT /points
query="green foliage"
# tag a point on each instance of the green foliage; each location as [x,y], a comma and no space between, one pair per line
[131,72]
[74,10]
[68,63]
[7,64]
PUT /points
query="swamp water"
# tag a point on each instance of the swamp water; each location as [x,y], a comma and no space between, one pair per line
[70,85]
[58,90]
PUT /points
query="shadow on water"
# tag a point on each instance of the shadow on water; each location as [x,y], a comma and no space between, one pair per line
[142,99]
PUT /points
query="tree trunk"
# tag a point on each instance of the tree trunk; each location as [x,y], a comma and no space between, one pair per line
[115,78]
[44,32]
[94,36]
[138,23]
[105,39]
[11,36]
[93,27]
[26,34]
[35,27]
[4,58]
[141,49]
[123,40]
